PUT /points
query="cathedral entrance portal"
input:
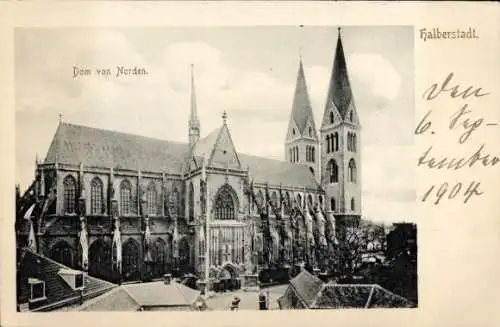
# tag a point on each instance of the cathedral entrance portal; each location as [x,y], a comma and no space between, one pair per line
[228,278]
[100,260]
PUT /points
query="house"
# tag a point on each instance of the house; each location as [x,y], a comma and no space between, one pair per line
[306,291]
[46,285]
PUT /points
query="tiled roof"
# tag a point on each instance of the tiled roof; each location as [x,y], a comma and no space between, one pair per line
[306,287]
[132,297]
[75,144]
[308,291]
[335,296]
[117,299]
[301,107]
[58,293]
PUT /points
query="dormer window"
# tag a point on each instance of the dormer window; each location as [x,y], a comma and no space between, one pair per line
[73,278]
[293,131]
[37,289]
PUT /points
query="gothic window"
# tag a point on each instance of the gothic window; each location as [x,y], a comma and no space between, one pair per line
[353,205]
[151,199]
[331,117]
[224,204]
[291,158]
[69,194]
[310,200]
[333,171]
[299,199]
[313,154]
[351,175]
[351,116]
[125,197]
[328,149]
[191,202]
[354,143]
[96,197]
[332,204]
[297,153]
[293,131]
[336,140]
[310,131]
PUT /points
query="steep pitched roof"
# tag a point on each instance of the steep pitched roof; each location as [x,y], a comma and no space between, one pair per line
[117,299]
[58,293]
[339,90]
[75,144]
[306,287]
[301,108]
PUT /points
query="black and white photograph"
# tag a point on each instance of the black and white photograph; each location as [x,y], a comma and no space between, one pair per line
[215,168]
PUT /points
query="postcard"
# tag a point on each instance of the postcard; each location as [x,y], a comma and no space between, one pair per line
[242,163]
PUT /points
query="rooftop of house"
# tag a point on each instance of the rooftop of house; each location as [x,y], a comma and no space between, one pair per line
[58,290]
[308,291]
[135,297]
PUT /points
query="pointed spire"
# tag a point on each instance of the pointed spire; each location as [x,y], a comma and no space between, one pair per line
[339,90]
[194,122]
[301,107]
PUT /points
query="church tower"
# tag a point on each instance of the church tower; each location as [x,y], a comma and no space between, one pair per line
[340,150]
[302,143]
[194,122]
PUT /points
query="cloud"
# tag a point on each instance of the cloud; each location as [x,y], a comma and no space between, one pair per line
[375,74]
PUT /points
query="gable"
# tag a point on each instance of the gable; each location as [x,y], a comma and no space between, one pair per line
[293,131]
[337,118]
[224,154]
[310,127]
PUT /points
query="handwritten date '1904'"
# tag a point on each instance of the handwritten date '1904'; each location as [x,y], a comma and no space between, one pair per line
[459,120]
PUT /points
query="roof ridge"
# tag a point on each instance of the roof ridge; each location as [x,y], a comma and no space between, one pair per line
[122,133]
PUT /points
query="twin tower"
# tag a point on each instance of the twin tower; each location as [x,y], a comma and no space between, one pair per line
[333,156]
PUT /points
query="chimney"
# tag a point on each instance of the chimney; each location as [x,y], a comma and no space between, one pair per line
[167,278]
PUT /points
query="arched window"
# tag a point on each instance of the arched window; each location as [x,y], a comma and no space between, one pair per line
[152,199]
[299,200]
[293,131]
[354,143]
[291,155]
[191,202]
[274,199]
[125,197]
[333,170]
[224,204]
[310,200]
[96,197]
[333,206]
[297,149]
[313,154]
[351,116]
[353,205]
[310,131]
[336,145]
[328,148]
[69,194]
[351,173]
[332,118]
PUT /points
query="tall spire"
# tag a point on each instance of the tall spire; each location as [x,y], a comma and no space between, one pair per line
[301,108]
[339,90]
[194,122]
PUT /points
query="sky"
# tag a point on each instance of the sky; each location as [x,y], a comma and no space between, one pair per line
[249,72]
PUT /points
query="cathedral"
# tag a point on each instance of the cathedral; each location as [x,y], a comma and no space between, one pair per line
[124,207]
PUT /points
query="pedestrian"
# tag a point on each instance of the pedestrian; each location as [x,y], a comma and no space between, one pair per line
[262,302]
[235,304]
